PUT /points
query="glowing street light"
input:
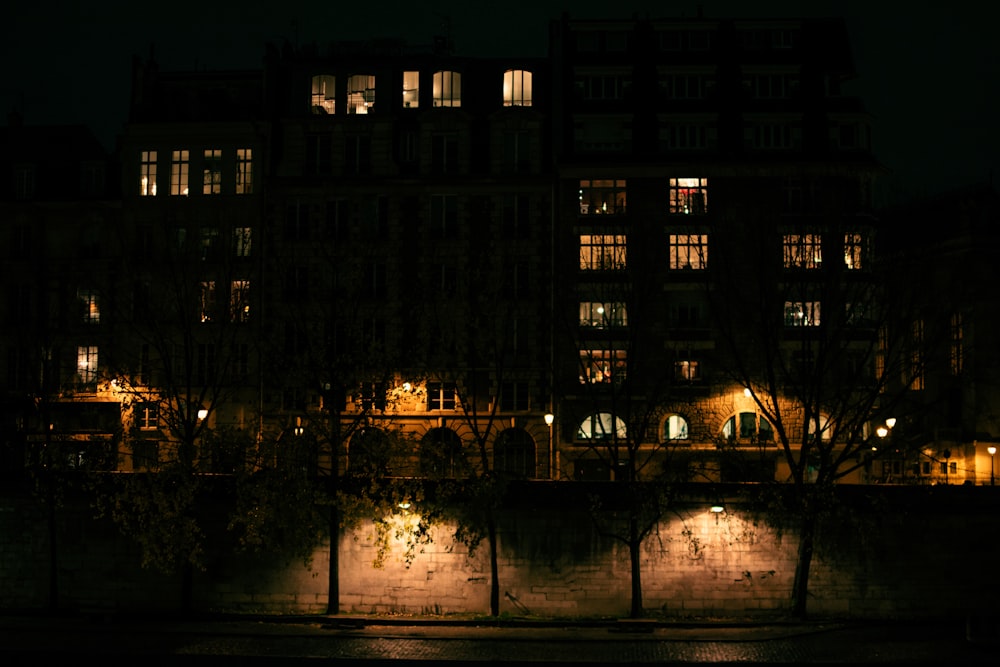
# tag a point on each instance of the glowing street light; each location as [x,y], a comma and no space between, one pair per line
[549,418]
[992,450]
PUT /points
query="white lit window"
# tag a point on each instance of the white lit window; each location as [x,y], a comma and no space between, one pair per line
[604,196]
[688,251]
[180,166]
[802,313]
[411,90]
[91,308]
[602,366]
[324,94]
[360,93]
[86,364]
[602,426]
[602,315]
[447,89]
[516,88]
[602,252]
[147,174]
[244,171]
[212,170]
[688,196]
[675,427]
[802,251]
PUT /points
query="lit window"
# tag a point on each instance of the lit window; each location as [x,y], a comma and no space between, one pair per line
[244,171]
[602,252]
[324,94]
[855,251]
[602,315]
[802,313]
[242,237]
[91,308]
[602,426]
[360,93]
[207,300]
[147,415]
[147,174]
[411,90]
[802,251]
[688,251]
[748,426]
[687,370]
[441,395]
[675,427]
[602,366]
[239,301]
[179,168]
[447,89]
[689,196]
[602,196]
[516,88]
[212,170]
[86,364]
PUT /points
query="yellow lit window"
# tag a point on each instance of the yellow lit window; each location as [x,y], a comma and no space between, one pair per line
[147,174]
[516,88]
[324,94]
[411,90]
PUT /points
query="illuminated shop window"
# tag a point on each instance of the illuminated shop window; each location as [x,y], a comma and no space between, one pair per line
[411,90]
[517,88]
[360,93]
[602,426]
[688,196]
[802,251]
[602,252]
[244,171]
[447,89]
[91,307]
[675,427]
[602,315]
[602,366]
[604,196]
[802,313]
[180,166]
[688,251]
[86,364]
[212,170]
[147,174]
[324,94]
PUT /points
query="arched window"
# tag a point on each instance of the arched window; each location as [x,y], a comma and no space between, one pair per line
[514,453]
[369,452]
[324,94]
[748,426]
[675,427]
[447,89]
[441,453]
[517,88]
[602,426]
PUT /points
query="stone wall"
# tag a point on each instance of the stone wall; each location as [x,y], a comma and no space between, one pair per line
[895,558]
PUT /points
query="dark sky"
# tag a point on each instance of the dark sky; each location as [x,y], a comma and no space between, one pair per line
[930,73]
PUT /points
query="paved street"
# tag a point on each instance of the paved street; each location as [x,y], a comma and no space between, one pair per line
[38,641]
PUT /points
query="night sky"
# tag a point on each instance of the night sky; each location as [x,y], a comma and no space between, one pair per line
[930,76]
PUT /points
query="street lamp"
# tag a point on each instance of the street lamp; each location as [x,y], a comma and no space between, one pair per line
[549,418]
[992,450]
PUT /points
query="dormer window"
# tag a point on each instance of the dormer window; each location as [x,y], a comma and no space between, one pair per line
[447,88]
[324,94]
[360,93]
[516,88]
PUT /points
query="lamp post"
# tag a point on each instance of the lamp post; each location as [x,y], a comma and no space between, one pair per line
[992,450]
[549,418]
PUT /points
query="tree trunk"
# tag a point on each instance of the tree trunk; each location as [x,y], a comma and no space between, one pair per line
[494,568]
[800,588]
[634,548]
